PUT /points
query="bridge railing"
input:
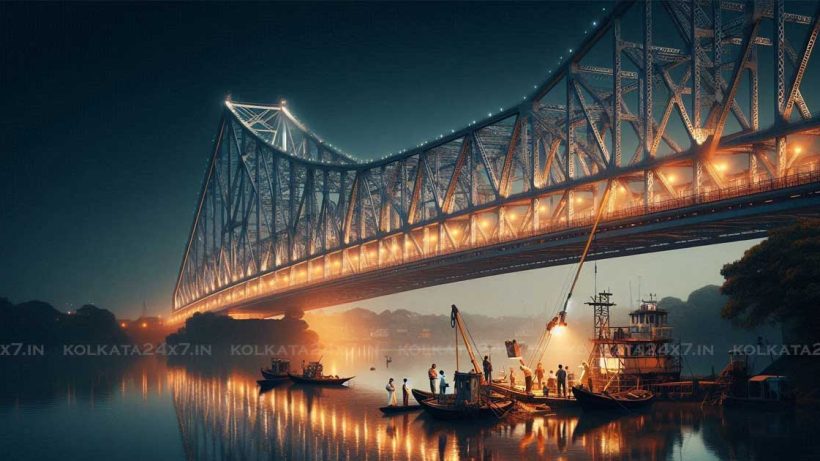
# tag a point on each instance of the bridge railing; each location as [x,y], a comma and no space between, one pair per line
[354,261]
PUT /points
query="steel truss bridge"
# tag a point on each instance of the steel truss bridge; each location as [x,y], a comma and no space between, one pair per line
[696,113]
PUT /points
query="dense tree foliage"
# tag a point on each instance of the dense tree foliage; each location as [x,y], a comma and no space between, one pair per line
[778,280]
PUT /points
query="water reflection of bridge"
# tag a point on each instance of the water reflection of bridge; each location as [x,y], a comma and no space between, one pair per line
[227,418]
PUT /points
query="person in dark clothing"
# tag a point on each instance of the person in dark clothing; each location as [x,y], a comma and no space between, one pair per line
[488,369]
[405,392]
[561,376]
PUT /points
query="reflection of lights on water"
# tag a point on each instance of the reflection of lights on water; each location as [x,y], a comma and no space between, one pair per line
[234,413]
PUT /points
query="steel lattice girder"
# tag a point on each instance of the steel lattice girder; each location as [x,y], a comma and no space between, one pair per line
[281,206]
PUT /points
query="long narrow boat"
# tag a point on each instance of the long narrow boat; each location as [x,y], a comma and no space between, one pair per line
[420,395]
[395,409]
[553,402]
[622,401]
[449,411]
[320,380]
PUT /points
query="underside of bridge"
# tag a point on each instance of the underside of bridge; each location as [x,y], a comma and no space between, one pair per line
[690,115]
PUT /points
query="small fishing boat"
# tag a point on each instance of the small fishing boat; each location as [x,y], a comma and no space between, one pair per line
[628,400]
[450,410]
[325,380]
[277,373]
[313,373]
[420,395]
[395,409]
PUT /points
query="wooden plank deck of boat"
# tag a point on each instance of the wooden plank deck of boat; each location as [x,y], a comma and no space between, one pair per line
[521,396]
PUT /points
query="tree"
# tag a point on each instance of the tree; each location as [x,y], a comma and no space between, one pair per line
[778,280]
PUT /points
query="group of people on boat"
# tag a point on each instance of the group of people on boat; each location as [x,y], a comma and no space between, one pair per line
[556,383]
[438,381]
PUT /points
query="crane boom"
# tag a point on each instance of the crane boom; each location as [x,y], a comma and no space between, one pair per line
[457,322]
[598,214]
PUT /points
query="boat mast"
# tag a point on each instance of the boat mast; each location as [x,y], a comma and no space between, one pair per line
[457,322]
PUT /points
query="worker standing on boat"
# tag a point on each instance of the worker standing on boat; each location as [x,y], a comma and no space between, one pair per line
[405,393]
[432,373]
[561,375]
[587,374]
[391,393]
[442,385]
[551,382]
[527,377]
[488,369]
[512,378]
[539,375]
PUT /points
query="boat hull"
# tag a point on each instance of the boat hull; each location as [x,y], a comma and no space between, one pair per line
[269,376]
[324,381]
[555,403]
[272,382]
[446,410]
[591,401]
[396,409]
[421,395]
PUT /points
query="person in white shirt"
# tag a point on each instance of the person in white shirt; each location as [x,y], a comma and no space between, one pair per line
[391,393]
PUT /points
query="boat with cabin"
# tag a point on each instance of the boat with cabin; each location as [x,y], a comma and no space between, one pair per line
[468,402]
[639,355]
[276,374]
[313,373]
[472,398]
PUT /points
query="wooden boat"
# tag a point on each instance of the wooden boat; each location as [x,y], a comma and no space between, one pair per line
[420,395]
[273,381]
[313,373]
[622,401]
[278,371]
[395,409]
[323,380]
[269,376]
[521,396]
[447,410]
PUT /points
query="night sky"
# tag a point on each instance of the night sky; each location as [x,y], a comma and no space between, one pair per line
[110,112]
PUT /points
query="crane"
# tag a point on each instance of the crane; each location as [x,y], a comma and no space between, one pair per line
[561,318]
[458,323]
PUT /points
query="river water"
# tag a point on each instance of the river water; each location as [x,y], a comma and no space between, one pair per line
[147,409]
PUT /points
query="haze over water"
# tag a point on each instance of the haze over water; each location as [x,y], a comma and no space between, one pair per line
[212,411]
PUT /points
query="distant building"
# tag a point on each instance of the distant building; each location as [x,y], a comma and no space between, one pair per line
[425,333]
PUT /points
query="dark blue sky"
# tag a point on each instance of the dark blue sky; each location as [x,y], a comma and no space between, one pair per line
[109,112]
